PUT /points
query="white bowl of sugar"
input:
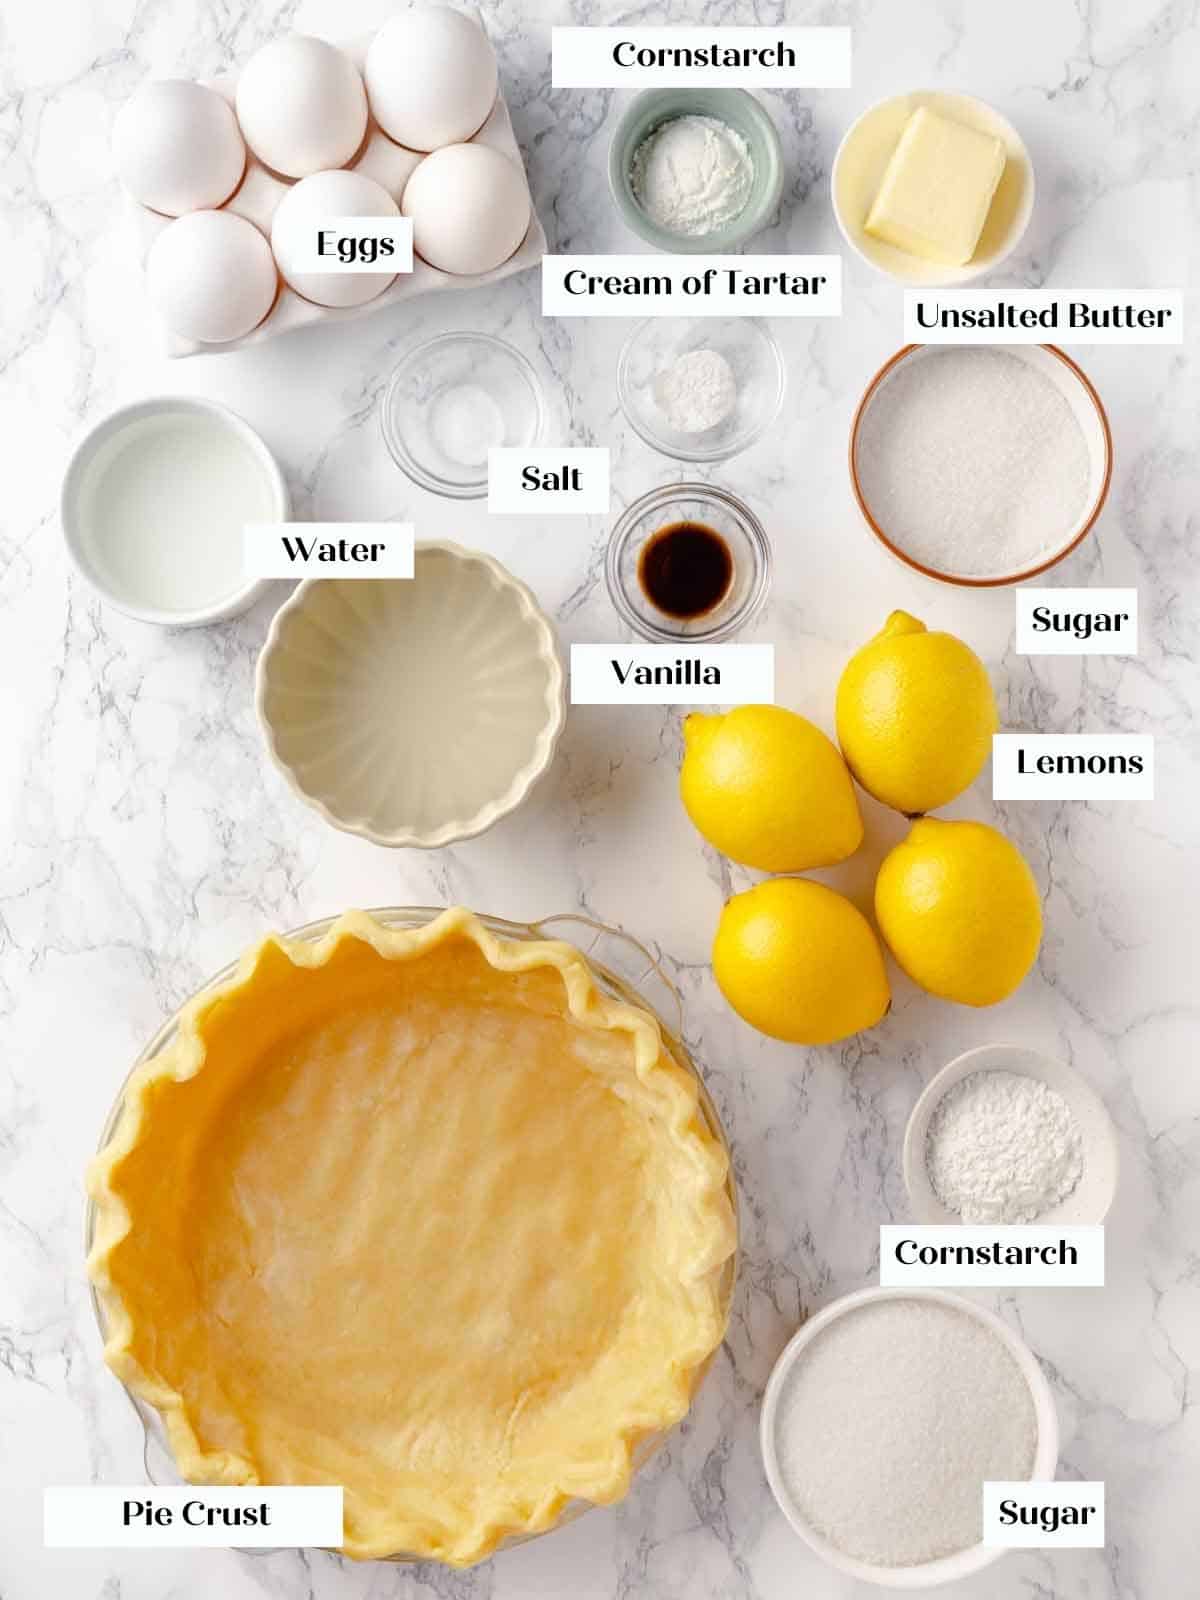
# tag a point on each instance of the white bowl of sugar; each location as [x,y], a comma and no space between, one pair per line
[980,465]
[1005,1135]
[882,1420]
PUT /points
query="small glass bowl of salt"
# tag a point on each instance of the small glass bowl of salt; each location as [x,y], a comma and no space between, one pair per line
[450,400]
[700,390]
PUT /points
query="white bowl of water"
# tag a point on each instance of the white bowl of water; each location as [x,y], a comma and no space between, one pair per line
[154,506]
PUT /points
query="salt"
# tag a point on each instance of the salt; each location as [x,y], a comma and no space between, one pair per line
[890,1423]
[465,424]
[972,462]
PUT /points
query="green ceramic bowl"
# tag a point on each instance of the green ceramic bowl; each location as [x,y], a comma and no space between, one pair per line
[740,111]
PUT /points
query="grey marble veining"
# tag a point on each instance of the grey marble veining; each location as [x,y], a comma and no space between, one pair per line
[148,840]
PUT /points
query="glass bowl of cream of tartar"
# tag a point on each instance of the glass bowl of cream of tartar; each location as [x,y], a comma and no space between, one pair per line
[453,398]
[701,389]
[154,505]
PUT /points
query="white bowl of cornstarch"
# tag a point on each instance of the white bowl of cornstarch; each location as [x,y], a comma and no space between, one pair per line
[1007,1135]
[882,1421]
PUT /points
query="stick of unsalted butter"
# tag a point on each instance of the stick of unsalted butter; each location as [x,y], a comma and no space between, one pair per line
[938,189]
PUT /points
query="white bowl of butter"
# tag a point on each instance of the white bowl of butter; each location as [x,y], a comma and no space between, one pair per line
[925,157]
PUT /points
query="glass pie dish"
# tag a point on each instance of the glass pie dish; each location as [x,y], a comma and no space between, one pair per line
[624,972]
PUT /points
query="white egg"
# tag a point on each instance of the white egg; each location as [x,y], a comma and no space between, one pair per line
[469,207]
[177,147]
[302,105]
[431,77]
[315,200]
[212,276]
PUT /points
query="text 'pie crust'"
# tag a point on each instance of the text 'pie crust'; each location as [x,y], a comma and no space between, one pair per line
[419,1212]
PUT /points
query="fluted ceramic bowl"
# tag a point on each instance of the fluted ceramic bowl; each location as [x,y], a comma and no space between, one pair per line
[413,712]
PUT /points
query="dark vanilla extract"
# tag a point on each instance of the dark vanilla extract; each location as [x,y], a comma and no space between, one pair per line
[685,570]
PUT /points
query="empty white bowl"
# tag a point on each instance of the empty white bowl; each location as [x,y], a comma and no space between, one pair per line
[1091,1198]
[947,1569]
[862,159]
[413,711]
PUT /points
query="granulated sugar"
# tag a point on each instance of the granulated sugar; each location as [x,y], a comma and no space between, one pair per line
[890,1423]
[972,462]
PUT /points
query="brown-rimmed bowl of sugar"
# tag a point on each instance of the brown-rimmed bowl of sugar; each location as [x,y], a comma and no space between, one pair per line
[980,465]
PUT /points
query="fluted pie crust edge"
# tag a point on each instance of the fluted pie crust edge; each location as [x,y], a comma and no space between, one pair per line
[609,1182]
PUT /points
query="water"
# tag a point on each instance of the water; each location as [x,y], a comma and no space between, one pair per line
[164,504]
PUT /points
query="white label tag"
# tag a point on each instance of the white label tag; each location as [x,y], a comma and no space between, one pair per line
[1024,1257]
[1072,766]
[328,549]
[1044,1516]
[691,286]
[1031,316]
[356,244]
[560,480]
[101,1517]
[628,58]
[1077,622]
[672,675]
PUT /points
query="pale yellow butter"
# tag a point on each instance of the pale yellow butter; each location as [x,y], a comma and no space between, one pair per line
[938,189]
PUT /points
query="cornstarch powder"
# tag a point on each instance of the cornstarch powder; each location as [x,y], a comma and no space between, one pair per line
[890,1423]
[1003,1147]
[972,461]
[692,174]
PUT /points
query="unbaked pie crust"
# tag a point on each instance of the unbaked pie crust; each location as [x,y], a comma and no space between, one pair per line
[421,1213]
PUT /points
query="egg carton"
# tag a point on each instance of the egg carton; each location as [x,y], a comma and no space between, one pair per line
[390,165]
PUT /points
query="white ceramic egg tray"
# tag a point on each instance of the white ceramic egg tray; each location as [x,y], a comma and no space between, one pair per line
[390,165]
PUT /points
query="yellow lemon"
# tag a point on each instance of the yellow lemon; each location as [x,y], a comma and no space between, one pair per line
[798,961]
[959,910]
[915,716]
[768,789]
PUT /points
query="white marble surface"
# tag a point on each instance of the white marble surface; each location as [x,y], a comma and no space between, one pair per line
[147,840]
